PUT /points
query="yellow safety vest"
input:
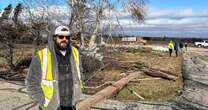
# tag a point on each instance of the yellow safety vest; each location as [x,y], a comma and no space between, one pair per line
[170,45]
[47,76]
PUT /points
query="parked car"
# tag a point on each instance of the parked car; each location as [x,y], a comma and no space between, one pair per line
[203,43]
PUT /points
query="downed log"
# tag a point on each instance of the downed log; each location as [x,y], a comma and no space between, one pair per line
[106,93]
[158,73]
[144,79]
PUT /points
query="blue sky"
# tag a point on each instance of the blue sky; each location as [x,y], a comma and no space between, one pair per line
[162,4]
[4,3]
[164,17]
[179,4]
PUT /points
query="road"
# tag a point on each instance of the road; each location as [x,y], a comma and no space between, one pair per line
[14,97]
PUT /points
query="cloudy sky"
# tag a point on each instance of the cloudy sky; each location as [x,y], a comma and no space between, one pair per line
[175,18]
[171,18]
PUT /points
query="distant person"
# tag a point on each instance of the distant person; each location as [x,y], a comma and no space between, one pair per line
[181,47]
[186,45]
[170,47]
[54,77]
[176,48]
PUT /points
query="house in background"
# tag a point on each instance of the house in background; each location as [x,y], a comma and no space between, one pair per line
[133,40]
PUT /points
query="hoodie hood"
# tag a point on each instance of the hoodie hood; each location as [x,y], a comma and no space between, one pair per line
[50,39]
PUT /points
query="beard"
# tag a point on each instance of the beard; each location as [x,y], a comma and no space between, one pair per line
[62,45]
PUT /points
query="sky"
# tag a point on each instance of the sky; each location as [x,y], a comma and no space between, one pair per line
[5,3]
[179,4]
[174,18]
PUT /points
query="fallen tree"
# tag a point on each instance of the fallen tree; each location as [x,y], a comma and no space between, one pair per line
[107,92]
[158,73]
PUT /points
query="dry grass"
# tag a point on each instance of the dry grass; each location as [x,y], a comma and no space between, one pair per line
[151,90]
[154,90]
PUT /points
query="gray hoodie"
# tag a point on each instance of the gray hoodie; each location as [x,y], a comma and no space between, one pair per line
[34,76]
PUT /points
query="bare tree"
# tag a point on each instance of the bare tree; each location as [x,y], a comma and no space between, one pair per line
[86,16]
[97,10]
[80,13]
[11,31]
[41,16]
[6,12]
[17,12]
[38,21]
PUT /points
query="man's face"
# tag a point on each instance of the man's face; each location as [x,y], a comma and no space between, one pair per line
[62,41]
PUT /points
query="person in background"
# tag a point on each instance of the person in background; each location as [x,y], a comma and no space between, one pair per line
[181,46]
[170,47]
[176,48]
[186,45]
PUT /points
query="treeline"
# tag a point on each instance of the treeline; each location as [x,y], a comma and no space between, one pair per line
[190,40]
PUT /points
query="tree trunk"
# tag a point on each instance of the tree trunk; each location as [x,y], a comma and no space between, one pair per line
[94,35]
[97,27]
[82,31]
[107,92]
[82,40]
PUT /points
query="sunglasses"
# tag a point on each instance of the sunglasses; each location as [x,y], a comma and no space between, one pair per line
[62,37]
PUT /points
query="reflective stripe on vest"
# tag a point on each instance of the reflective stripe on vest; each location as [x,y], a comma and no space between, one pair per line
[47,78]
[76,58]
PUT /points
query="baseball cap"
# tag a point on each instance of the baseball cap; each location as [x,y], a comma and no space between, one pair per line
[62,30]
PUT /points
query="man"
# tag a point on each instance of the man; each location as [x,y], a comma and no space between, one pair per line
[176,48]
[170,47]
[181,46]
[54,77]
[186,45]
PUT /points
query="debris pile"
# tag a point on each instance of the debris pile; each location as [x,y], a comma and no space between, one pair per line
[120,61]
